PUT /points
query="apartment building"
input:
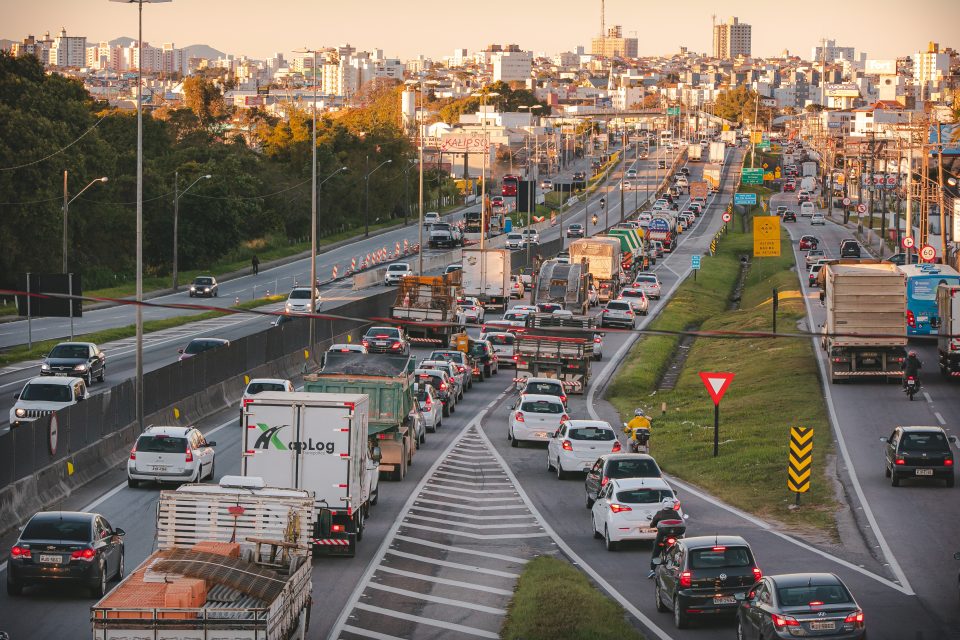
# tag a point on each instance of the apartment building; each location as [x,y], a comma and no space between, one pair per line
[732,39]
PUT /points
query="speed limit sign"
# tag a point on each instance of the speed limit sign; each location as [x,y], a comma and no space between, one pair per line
[726,216]
[907,242]
[928,253]
[861,208]
[846,202]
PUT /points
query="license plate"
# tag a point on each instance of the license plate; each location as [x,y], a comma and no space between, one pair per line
[60,373]
[822,626]
[158,467]
[540,434]
[381,344]
[924,472]
[725,600]
[51,558]
[923,318]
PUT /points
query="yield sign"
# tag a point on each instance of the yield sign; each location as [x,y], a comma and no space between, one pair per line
[716,384]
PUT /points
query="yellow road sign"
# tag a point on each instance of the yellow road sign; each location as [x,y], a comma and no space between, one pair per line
[756,137]
[801,459]
[766,236]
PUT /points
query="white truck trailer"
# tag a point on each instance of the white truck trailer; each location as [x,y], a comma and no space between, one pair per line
[486,276]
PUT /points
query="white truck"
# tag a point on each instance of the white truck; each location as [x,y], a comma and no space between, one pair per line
[729,136]
[486,276]
[947,324]
[717,152]
[316,442]
[603,259]
[694,152]
[232,561]
[808,169]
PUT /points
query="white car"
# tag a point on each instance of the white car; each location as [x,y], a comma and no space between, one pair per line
[431,217]
[644,220]
[471,309]
[170,454]
[430,406]
[535,418]
[347,347]
[543,387]
[44,395]
[817,218]
[625,507]
[649,284]
[259,385]
[512,319]
[637,299]
[516,287]
[578,443]
[631,174]
[618,312]
[397,272]
[503,345]
[299,301]
[458,377]
[514,241]
[807,209]
[531,236]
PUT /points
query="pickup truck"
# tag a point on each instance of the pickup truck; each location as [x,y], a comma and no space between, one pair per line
[444,234]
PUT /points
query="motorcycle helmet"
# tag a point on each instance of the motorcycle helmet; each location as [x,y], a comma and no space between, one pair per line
[667,503]
[639,412]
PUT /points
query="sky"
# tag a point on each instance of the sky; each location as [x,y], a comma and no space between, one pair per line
[406,28]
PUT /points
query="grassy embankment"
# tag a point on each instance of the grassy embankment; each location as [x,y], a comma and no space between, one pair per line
[555,600]
[776,387]
[21,353]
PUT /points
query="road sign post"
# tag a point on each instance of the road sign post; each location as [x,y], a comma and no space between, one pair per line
[716,384]
[801,458]
[695,265]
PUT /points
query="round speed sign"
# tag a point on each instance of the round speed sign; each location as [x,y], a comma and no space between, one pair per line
[726,217]
[846,202]
[907,242]
[928,253]
[861,208]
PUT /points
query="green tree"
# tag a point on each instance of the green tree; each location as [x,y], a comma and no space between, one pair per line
[740,105]
[204,98]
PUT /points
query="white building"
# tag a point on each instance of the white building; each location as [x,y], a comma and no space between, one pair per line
[732,39]
[830,52]
[929,70]
[511,66]
[68,51]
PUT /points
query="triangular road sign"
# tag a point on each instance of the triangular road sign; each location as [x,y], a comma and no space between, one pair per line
[716,384]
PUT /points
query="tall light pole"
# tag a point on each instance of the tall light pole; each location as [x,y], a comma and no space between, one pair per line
[483,95]
[532,190]
[66,209]
[176,218]
[366,197]
[420,157]
[139,370]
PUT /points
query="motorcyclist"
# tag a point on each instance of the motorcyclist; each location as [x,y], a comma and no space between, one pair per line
[594,219]
[911,367]
[639,421]
[668,511]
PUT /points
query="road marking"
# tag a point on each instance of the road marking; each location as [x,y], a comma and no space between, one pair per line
[430,490]
[462,490]
[446,581]
[927,396]
[447,547]
[453,565]
[472,525]
[469,484]
[376,635]
[458,475]
[430,621]
[472,508]
[939,417]
[439,599]
[474,536]
[469,516]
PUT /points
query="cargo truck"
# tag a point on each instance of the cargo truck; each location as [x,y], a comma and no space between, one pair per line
[386,379]
[809,169]
[729,137]
[717,152]
[948,326]
[564,356]
[564,283]
[232,561]
[663,228]
[694,152]
[486,276]
[316,442]
[712,175]
[867,303]
[602,257]
[427,306]
[632,255]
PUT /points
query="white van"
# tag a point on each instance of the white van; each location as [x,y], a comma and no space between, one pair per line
[807,210]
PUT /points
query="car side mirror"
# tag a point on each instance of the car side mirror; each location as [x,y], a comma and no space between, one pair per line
[180,350]
[43,355]
[954,440]
[883,439]
[212,443]
[82,397]
[119,532]
[16,396]
[376,454]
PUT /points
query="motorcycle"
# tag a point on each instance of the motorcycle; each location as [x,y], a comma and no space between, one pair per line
[668,532]
[594,219]
[640,443]
[911,386]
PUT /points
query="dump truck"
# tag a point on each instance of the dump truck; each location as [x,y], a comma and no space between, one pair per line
[694,152]
[427,306]
[386,378]
[602,257]
[631,249]
[232,561]
[564,283]
[290,441]
[948,327]
[486,276]
[718,150]
[866,302]
[564,355]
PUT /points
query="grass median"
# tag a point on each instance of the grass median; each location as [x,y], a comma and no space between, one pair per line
[776,387]
[39,349]
[555,600]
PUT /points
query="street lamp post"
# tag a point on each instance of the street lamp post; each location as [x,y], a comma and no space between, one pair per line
[531,189]
[176,218]
[366,196]
[483,95]
[139,298]
[66,209]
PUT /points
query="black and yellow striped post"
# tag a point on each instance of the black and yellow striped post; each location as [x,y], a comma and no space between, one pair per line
[801,459]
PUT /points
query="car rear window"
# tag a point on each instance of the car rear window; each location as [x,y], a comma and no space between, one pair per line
[46,392]
[479,349]
[642,468]
[543,388]
[619,306]
[501,338]
[632,293]
[161,444]
[199,346]
[258,387]
[383,332]
[541,406]
[643,496]
[924,442]
[720,557]
[594,434]
[67,528]
[803,595]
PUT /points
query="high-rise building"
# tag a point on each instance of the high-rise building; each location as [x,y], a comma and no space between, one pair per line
[614,45]
[929,70]
[830,52]
[68,51]
[511,66]
[731,39]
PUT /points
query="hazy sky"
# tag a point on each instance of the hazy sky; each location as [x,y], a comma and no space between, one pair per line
[405,28]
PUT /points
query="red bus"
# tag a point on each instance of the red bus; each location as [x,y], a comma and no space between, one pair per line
[509,186]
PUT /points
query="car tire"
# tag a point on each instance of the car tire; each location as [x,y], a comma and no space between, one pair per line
[662,608]
[513,440]
[100,589]
[886,471]
[88,379]
[680,618]
[213,470]
[446,411]
[120,568]
[894,479]
[103,373]
[951,480]
[740,634]
[561,474]
[610,544]
[549,465]
[593,525]
[133,484]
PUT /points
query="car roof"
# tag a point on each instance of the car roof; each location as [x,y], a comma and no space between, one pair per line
[700,542]
[220,340]
[640,483]
[54,380]
[75,344]
[921,429]
[590,423]
[803,579]
[269,380]
[56,515]
[539,396]
[627,456]
[176,431]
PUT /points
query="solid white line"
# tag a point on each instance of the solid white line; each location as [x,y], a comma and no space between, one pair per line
[366,633]
[446,581]
[453,565]
[430,621]
[474,536]
[471,508]
[471,525]
[939,417]
[447,547]
[438,599]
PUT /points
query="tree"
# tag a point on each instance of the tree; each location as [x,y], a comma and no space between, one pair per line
[203,97]
[740,105]
[813,108]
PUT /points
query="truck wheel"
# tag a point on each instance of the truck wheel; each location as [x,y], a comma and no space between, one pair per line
[359,525]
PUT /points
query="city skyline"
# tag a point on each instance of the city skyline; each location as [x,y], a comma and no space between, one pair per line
[420,29]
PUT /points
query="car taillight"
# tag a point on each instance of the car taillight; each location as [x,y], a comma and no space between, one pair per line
[617,508]
[757,574]
[900,461]
[365,343]
[189,453]
[596,340]
[670,542]
[567,445]
[783,621]
[911,319]
[133,453]
[616,446]
[515,357]
[443,386]
[604,481]
[395,345]
[948,462]
[336,528]
[563,399]
[519,417]
[461,369]
[686,579]
[854,618]
[20,552]
[83,554]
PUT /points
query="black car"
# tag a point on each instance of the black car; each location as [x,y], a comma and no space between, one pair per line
[66,547]
[618,465]
[918,452]
[579,175]
[661,164]
[575,231]
[800,604]
[789,216]
[75,359]
[484,357]
[204,287]
[386,340]
[704,575]
[849,249]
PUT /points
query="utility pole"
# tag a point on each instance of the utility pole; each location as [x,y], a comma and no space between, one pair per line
[940,199]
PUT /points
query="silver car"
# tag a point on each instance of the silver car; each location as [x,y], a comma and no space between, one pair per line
[618,312]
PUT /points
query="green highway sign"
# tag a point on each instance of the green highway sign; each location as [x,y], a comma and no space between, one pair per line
[752,176]
[673,111]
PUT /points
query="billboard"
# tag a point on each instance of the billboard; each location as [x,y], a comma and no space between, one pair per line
[949,138]
[52,283]
[464,143]
[846,90]
[881,67]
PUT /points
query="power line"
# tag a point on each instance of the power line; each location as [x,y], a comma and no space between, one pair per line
[57,152]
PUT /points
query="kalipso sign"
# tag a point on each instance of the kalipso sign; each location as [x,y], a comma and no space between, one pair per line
[464,143]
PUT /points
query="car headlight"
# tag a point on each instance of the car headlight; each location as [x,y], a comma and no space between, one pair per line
[206,289]
[80,367]
[45,367]
[289,306]
[192,288]
[21,413]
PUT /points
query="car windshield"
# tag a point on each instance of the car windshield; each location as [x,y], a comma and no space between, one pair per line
[383,332]
[39,392]
[594,434]
[543,388]
[645,279]
[398,267]
[643,496]
[541,406]
[69,351]
[433,379]
[637,468]
[924,442]
[720,557]
[514,236]
[199,346]
[500,338]
[300,294]
[258,387]
[803,595]
[515,316]
[203,281]
[441,226]
[67,528]
[161,444]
